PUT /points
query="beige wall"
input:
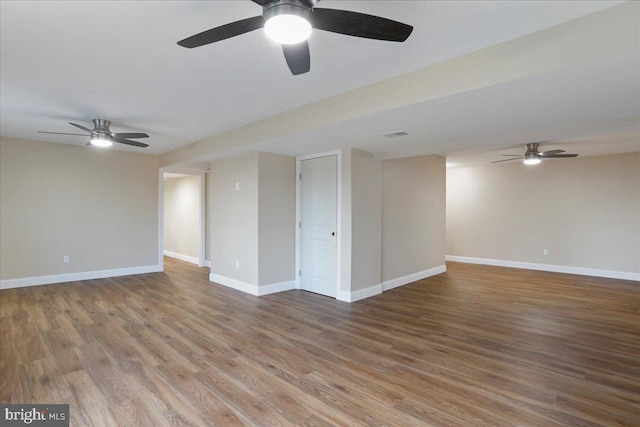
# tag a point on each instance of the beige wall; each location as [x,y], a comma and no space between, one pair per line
[256,225]
[360,217]
[276,222]
[99,207]
[366,220]
[392,218]
[207,216]
[585,211]
[234,217]
[344,219]
[182,215]
[413,215]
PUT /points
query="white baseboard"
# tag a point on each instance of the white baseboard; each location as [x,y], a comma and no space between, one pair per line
[276,287]
[359,294]
[73,277]
[389,284]
[414,277]
[252,289]
[205,264]
[610,274]
[181,257]
[234,284]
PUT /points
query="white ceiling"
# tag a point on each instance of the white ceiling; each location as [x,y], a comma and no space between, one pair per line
[67,61]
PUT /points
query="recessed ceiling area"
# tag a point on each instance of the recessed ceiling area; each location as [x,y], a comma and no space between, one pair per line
[66,68]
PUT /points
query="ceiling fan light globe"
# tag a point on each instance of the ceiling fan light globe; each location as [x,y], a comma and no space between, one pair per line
[287,29]
[531,159]
[100,141]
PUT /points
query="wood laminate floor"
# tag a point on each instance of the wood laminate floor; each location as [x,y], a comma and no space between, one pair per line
[477,346]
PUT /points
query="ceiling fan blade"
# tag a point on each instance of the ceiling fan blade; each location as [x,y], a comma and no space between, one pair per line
[360,25]
[81,127]
[508,160]
[130,135]
[560,156]
[129,142]
[261,2]
[512,155]
[63,133]
[550,153]
[224,32]
[298,57]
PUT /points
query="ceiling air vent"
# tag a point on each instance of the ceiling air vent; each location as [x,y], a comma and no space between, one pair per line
[395,134]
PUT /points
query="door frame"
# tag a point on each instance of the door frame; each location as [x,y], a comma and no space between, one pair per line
[299,159]
[202,200]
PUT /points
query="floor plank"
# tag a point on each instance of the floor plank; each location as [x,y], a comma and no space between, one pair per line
[476,346]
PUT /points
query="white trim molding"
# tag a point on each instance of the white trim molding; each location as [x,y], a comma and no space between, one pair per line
[389,284]
[73,277]
[609,274]
[276,287]
[414,277]
[181,257]
[252,289]
[359,294]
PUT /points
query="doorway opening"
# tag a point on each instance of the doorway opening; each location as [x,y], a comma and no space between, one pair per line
[182,219]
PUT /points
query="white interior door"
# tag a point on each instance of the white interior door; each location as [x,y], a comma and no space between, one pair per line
[318,215]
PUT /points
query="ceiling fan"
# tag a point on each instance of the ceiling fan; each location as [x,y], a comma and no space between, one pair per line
[290,22]
[101,136]
[532,156]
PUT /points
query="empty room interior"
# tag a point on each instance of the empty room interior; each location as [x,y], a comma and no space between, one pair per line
[320,213]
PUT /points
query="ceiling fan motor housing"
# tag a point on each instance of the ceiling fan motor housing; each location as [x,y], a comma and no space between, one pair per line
[532,156]
[101,135]
[286,7]
[532,148]
[101,126]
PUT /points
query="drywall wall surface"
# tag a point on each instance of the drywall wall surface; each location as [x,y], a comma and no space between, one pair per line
[413,215]
[366,220]
[182,215]
[234,218]
[345,221]
[585,211]
[276,218]
[98,207]
[207,218]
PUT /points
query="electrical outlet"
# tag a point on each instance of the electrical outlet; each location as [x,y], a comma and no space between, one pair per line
[237,186]
[545,252]
[237,265]
[65,259]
